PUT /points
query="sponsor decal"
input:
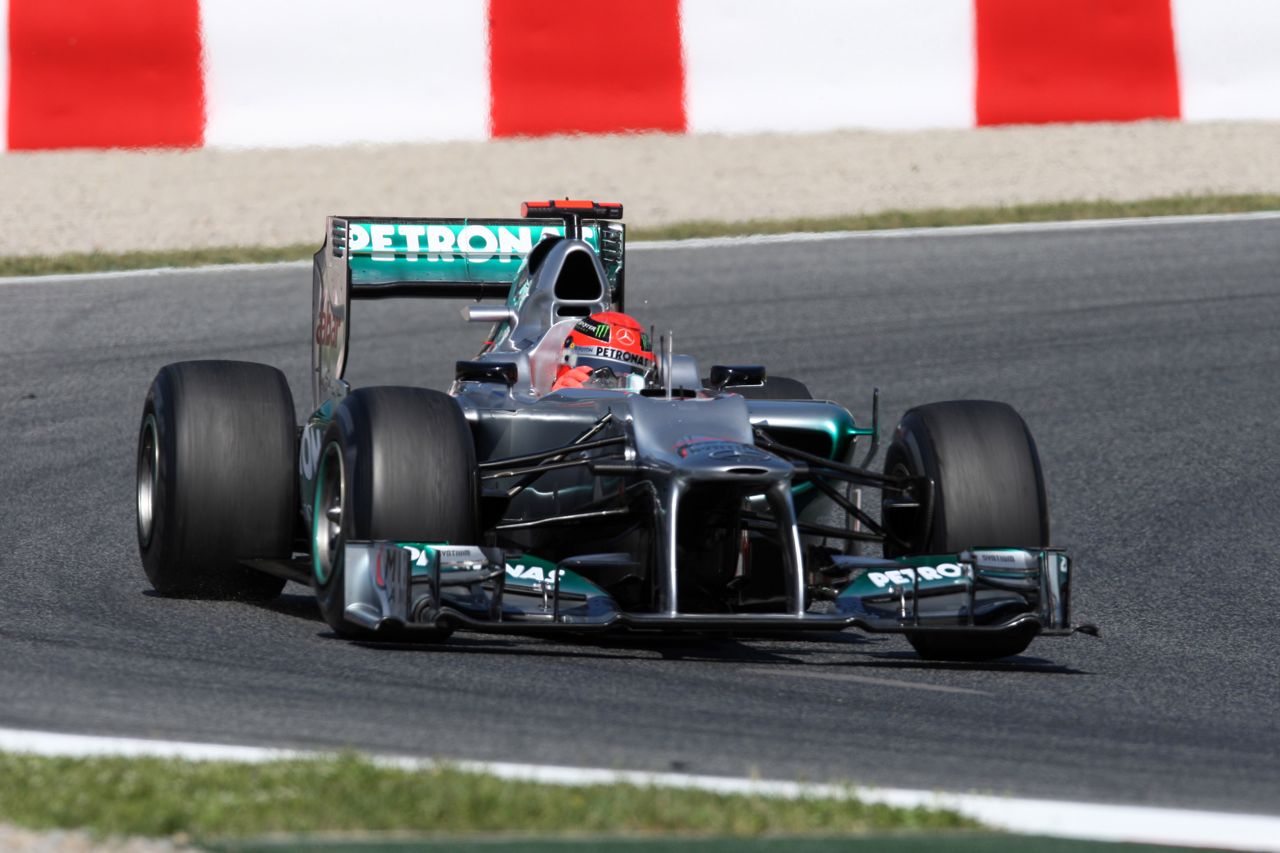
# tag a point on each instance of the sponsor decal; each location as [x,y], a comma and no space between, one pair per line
[392,574]
[718,448]
[451,556]
[458,556]
[737,452]
[1006,560]
[420,557]
[622,355]
[309,452]
[685,442]
[903,576]
[533,574]
[438,243]
[626,337]
[327,326]
[599,331]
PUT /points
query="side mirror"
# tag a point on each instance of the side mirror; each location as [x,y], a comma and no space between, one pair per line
[503,372]
[733,375]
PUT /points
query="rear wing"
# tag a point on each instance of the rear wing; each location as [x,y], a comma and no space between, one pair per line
[373,257]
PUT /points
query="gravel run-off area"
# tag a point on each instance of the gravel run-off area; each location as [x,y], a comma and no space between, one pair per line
[78,201]
[17,840]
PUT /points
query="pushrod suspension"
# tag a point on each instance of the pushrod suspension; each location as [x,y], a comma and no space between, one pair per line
[839,469]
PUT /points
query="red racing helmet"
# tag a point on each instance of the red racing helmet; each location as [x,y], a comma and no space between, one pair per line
[612,340]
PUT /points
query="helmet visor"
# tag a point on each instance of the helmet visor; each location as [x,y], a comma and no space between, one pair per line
[611,372]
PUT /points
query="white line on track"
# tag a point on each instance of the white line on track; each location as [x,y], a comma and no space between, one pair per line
[64,278]
[954,230]
[727,242]
[861,679]
[1100,822]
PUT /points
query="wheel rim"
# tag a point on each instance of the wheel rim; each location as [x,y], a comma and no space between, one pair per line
[326,514]
[148,479]
[903,523]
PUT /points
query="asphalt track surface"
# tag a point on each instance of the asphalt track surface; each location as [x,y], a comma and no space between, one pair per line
[1146,360]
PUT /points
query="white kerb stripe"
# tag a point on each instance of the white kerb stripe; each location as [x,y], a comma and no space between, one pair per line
[1228,60]
[4,75]
[334,72]
[1042,817]
[827,64]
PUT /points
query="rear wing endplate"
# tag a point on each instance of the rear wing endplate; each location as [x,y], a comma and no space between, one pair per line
[372,257]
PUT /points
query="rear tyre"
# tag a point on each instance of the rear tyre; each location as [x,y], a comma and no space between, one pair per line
[215,478]
[397,464]
[988,492]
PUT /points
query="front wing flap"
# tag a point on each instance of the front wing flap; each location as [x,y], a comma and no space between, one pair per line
[981,589]
[405,586]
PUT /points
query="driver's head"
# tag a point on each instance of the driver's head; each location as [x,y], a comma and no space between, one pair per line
[613,349]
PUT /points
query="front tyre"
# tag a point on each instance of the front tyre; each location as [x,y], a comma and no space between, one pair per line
[397,464]
[988,492]
[215,481]
[959,646]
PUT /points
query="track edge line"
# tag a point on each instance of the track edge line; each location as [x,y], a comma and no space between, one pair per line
[1059,818]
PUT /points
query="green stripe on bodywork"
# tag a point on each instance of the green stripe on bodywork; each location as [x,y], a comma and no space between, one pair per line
[525,573]
[947,565]
[864,585]
[387,252]
[842,431]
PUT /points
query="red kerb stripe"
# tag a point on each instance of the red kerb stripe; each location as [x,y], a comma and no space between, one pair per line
[105,73]
[583,66]
[1075,60]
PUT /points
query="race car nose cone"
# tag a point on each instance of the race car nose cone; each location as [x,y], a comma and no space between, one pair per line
[702,439]
[730,460]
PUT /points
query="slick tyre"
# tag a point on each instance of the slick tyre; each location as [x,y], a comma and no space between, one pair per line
[396,464]
[215,478]
[988,492]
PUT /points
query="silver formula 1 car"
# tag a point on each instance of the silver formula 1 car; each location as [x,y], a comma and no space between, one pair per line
[726,503]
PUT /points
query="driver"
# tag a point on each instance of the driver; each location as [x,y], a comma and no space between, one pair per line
[606,350]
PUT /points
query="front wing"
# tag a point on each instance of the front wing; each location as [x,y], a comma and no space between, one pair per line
[399,587]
